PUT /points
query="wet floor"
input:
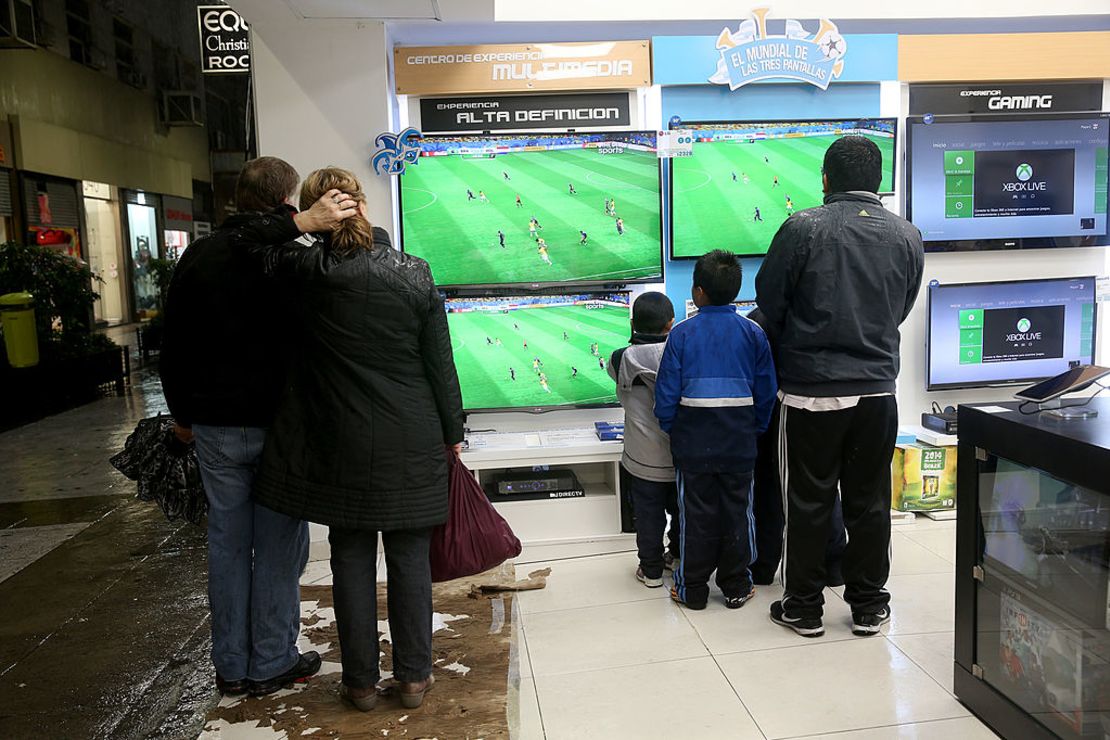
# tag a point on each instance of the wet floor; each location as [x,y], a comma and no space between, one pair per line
[103,614]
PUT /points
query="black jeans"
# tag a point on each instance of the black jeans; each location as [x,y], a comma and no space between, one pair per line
[651,502]
[717,534]
[851,448]
[354,559]
[770,518]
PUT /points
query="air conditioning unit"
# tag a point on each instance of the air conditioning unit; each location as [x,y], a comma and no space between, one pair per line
[181,109]
[17,24]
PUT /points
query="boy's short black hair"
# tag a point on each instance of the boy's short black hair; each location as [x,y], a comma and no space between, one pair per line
[651,312]
[719,274]
[853,163]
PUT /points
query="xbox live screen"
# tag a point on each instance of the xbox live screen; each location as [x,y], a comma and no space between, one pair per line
[993,333]
[1027,179]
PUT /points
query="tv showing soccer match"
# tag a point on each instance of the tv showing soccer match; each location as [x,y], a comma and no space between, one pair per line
[1008,181]
[535,352]
[1003,333]
[745,178]
[535,209]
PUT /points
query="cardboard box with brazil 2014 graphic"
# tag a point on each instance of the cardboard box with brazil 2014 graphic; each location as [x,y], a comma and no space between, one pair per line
[923,477]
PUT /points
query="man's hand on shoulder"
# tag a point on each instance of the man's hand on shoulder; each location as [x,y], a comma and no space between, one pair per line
[325,214]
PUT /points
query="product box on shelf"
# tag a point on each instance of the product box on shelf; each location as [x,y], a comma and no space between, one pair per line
[923,477]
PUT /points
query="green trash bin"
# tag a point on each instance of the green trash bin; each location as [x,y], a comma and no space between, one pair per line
[17,317]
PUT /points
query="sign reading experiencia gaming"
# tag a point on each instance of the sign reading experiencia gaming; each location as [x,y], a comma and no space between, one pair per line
[750,54]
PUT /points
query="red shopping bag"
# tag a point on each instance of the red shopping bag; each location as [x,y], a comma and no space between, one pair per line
[475,538]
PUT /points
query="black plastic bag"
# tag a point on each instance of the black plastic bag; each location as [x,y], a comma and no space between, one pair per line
[165,468]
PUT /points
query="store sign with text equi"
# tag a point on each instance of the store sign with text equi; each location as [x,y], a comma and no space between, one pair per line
[751,54]
[225,46]
[434,70]
[501,112]
[1005,97]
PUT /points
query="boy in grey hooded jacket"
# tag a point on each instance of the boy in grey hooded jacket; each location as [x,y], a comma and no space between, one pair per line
[647,473]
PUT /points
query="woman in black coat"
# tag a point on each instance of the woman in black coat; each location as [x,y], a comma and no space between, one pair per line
[372,398]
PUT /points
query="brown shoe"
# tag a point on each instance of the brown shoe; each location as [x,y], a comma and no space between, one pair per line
[412,694]
[363,699]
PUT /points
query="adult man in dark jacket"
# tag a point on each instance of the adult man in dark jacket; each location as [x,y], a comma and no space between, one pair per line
[837,282]
[221,374]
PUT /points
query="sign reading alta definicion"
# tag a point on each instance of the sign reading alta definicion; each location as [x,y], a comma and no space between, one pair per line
[433,70]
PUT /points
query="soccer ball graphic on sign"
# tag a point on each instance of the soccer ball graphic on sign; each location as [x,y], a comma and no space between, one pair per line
[1024,325]
[1024,171]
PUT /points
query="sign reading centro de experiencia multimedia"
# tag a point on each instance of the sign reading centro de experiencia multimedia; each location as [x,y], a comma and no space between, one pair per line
[224,40]
[432,70]
[1005,97]
[750,54]
[497,112]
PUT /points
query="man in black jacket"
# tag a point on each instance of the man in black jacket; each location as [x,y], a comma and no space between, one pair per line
[221,371]
[837,282]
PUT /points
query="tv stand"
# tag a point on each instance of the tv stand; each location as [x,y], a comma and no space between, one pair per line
[555,528]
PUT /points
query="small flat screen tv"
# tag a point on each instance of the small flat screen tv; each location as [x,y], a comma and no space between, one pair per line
[537,352]
[745,178]
[535,209]
[1008,181]
[1008,333]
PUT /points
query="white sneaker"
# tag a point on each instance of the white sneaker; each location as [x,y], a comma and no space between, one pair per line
[649,582]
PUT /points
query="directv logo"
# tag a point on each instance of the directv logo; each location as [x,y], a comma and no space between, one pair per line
[1024,172]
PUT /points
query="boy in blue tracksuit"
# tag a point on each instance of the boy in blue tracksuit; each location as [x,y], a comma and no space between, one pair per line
[714,394]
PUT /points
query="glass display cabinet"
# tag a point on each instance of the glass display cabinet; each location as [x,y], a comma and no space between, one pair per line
[1032,653]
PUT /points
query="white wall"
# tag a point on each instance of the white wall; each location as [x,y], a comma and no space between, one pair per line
[665,10]
[322,93]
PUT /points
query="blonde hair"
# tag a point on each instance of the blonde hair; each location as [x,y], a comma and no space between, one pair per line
[352,233]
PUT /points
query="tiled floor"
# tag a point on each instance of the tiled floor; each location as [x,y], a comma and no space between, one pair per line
[604,657]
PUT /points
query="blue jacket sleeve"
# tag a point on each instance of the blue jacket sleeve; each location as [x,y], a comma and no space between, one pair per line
[668,383]
[764,386]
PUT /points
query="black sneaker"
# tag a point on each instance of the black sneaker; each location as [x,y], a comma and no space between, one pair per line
[231,688]
[307,665]
[865,625]
[804,626]
[735,602]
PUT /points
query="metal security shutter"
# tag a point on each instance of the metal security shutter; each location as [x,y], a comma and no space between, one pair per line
[5,192]
[64,203]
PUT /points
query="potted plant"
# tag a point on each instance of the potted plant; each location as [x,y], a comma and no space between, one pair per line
[150,335]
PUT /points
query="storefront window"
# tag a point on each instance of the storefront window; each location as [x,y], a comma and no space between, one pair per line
[176,241]
[143,232]
[105,251]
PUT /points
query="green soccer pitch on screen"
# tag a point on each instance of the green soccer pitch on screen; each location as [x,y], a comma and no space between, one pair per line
[745,178]
[535,352]
[535,209]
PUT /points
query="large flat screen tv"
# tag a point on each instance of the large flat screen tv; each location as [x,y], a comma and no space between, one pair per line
[535,209]
[537,352]
[745,178]
[1006,333]
[1008,181]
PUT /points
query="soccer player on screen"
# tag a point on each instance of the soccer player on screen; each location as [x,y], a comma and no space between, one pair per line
[505,175]
[543,384]
[543,377]
[601,362]
[585,237]
[573,372]
[525,344]
[758,216]
[501,237]
[746,178]
[565,337]
[789,207]
[516,326]
[497,341]
[535,364]
[532,229]
[620,226]
[775,184]
[469,195]
[766,160]
[482,196]
[543,254]
[518,203]
[734,177]
[570,185]
[489,341]
[512,374]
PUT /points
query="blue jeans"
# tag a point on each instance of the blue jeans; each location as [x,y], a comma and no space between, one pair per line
[255,560]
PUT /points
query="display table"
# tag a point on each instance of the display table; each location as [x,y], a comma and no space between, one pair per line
[589,524]
[1032,647]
